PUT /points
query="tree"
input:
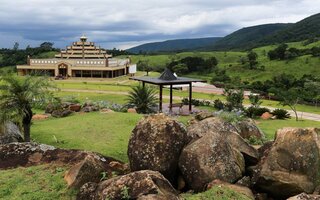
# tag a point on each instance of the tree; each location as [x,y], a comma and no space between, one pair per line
[47,46]
[142,98]
[19,96]
[16,46]
[252,58]
[234,99]
[143,65]
[180,68]
[290,98]
[255,100]
[278,53]
[210,64]
[315,51]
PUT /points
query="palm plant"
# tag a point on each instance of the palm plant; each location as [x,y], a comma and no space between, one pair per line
[19,95]
[142,98]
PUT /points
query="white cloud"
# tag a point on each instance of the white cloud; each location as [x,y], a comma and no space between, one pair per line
[127,22]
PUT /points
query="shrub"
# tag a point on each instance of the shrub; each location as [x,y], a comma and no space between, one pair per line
[281,114]
[70,99]
[143,99]
[234,99]
[109,105]
[232,117]
[253,112]
[253,140]
[195,102]
[218,104]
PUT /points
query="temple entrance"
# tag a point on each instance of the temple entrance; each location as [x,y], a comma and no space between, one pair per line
[63,70]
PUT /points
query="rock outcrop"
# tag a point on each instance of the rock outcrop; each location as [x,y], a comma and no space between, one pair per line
[230,134]
[61,113]
[291,166]
[9,132]
[140,185]
[304,196]
[248,128]
[209,158]
[88,170]
[85,166]
[155,144]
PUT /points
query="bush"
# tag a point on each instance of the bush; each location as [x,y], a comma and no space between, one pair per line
[218,104]
[281,114]
[234,99]
[253,140]
[253,112]
[109,105]
[70,99]
[232,117]
[195,102]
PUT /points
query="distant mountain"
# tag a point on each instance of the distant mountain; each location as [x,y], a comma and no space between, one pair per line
[174,45]
[307,28]
[243,39]
[255,36]
[246,38]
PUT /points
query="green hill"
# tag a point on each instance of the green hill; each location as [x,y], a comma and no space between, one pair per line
[174,45]
[246,38]
[230,60]
[255,36]
[307,28]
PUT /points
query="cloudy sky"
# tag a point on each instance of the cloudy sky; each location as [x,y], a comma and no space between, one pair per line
[126,23]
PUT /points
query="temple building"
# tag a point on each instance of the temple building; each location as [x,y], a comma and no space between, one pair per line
[81,59]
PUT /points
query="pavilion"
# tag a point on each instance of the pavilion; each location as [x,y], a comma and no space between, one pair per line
[168,78]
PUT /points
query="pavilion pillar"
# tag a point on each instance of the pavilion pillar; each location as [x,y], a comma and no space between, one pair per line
[143,84]
[190,96]
[170,105]
[160,99]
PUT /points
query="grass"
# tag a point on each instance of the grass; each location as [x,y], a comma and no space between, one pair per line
[87,96]
[269,127]
[104,133]
[44,182]
[216,193]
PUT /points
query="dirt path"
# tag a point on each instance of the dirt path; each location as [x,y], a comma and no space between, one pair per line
[302,115]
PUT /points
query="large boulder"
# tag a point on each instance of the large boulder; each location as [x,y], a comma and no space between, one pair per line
[9,132]
[61,113]
[155,144]
[88,170]
[291,166]
[209,158]
[140,185]
[228,131]
[248,129]
[304,196]
[40,116]
[75,107]
[203,115]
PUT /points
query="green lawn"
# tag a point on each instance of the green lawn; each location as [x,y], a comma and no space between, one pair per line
[104,133]
[269,127]
[44,182]
[87,96]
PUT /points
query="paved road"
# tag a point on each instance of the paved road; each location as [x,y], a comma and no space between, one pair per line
[302,115]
